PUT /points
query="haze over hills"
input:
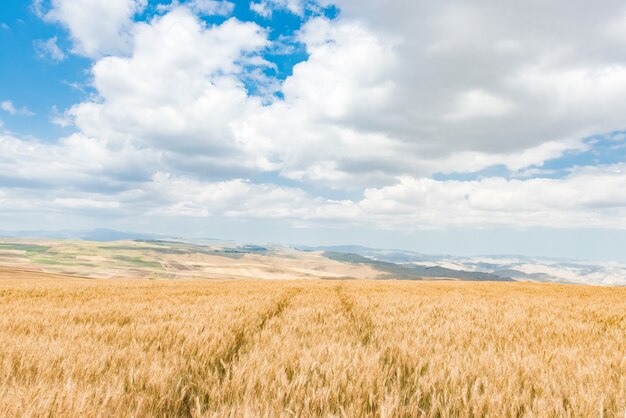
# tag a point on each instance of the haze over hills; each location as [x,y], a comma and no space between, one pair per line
[413,271]
[517,267]
[389,263]
[97,234]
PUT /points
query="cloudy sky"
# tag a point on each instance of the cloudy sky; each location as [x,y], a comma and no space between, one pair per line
[454,127]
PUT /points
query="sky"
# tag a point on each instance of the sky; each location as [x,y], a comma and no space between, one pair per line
[444,127]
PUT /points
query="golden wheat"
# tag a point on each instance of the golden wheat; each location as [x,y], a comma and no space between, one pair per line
[72,347]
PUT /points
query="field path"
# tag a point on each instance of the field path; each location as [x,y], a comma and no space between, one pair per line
[395,369]
[195,399]
[246,333]
[360,318]
[304,362]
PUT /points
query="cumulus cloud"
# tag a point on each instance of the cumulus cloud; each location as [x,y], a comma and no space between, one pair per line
[74,163]
[83,173]
[72,203]
[88,174]
[48,50]
[97,27]
[381,96]
[212,7]
[377,97]
[265,8]
[389,95]
[180,91]
[478,103]
[572,201]
[234,198]
[62,119]
[10,108]
[201,7]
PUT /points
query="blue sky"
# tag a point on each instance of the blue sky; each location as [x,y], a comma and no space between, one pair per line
[443,128]
[33,82]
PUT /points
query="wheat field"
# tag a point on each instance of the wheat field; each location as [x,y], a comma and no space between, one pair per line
[136,348]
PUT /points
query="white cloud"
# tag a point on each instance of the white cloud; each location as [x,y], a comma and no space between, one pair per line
[211,7]
[201,7]
[97,27]
[81,173]
[48,50]
[88,174]
[179,92]
[477,103]
[91,175]
[390,94]
[615,28]
[72,203]
[460,80]
[378,96]
[570,202]
[376,100]
[265,8]
[75,162]
[346,74]
[62,119]
[10,108]
[38,8]
[261,8]
[232,198]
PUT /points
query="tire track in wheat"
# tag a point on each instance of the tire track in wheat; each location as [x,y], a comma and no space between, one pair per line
[191,397]
[400,371]
[244,335]
[360,319]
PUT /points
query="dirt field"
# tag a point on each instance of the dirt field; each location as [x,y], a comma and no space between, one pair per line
[74,347]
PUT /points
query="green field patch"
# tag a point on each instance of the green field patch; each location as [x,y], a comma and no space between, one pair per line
[57,259]
[36,258]
[31,248]
[126,247]
[137,261]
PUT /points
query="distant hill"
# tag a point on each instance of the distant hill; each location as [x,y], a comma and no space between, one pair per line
[413,272]
[484,267]
[403,264]
[392,256]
